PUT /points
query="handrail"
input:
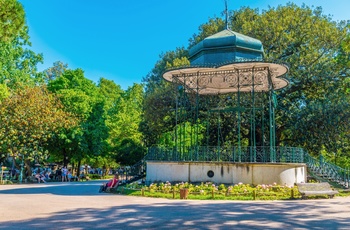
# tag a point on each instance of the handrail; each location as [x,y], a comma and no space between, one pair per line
[278,154]
[328,171]
[133,172]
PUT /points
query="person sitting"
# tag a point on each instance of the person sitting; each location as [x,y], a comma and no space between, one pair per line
[47,175]
[110,184]
[69,176]
[40,177]
[82,176]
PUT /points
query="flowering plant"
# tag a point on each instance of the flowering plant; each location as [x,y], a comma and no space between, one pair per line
[184,185]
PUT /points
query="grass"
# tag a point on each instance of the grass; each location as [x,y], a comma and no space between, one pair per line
[210,191]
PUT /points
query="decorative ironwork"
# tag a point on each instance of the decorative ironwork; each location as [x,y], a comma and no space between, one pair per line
[328,171]
[236,77]
[234,154]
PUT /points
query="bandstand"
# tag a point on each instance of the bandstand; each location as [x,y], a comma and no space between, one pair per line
[225,129]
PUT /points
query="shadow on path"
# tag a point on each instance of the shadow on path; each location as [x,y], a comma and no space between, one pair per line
[184,215]
[122,212]
[57,188]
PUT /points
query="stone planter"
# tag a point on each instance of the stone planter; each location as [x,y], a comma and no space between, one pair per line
[184,193]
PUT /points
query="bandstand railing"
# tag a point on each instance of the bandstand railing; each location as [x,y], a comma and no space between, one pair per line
[328,171]
[228,154]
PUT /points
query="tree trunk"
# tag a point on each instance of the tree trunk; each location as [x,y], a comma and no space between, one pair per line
[27,169]
[78,170]
[65,158]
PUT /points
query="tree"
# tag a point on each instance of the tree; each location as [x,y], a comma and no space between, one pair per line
[79,96]
[55,71]
[111,93]
[30,118]
[18,64]
[12,19]
[154,79]
[130,152]
[95,132]
[76,92]
[159,100]
[124,124]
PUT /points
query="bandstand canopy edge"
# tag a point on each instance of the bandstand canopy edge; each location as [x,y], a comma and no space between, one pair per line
[233,77]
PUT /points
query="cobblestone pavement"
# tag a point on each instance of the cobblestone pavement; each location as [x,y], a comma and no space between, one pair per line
[79,206]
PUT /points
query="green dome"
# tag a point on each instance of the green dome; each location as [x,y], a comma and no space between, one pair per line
[226,46]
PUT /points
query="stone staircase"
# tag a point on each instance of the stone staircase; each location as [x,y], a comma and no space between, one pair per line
[321,170]
[136,172]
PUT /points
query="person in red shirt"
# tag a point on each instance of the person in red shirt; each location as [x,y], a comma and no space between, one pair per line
[110,184]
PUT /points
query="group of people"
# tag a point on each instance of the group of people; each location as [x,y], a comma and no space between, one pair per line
[42,176]
[64,175]
[61,174]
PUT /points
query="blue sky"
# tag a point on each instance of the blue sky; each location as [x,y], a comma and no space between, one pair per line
[122,40]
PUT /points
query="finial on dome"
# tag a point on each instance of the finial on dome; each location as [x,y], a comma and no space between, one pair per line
[226,15]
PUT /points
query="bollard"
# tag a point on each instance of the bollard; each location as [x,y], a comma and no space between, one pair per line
[142,192]
[173,193]
[292,193]
[212,193]
[254,194]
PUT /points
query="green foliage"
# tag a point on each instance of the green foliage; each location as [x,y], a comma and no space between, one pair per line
[18,62]
[154,79]
[80,96]
[111,93]
[12,19]
[95,131]
[4,92]
[178,62]
[208,190]
[55,71]
[158,113]
[30,118]
[129,152]
[126,120]
[205,30]
[76,92]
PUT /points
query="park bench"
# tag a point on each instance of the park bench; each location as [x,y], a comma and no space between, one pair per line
[114,188]
[316,189]
[111,189]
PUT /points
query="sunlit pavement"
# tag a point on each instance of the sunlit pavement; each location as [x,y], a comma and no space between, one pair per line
[78,205]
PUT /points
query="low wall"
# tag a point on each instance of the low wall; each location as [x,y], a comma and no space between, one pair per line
[226,173]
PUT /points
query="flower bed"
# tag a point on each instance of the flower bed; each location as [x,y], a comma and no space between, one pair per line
[209,190]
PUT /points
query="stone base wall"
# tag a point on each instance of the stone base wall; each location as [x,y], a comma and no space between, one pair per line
[226,173]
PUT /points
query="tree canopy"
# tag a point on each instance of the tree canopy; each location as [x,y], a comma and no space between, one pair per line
[12,19]
[30,118]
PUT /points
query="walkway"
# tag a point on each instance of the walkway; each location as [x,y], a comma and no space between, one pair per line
[79,206]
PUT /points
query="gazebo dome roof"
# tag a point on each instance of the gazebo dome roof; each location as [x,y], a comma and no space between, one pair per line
[228,62]
[226,46]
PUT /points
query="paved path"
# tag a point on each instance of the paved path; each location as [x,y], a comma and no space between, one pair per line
[79,206]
